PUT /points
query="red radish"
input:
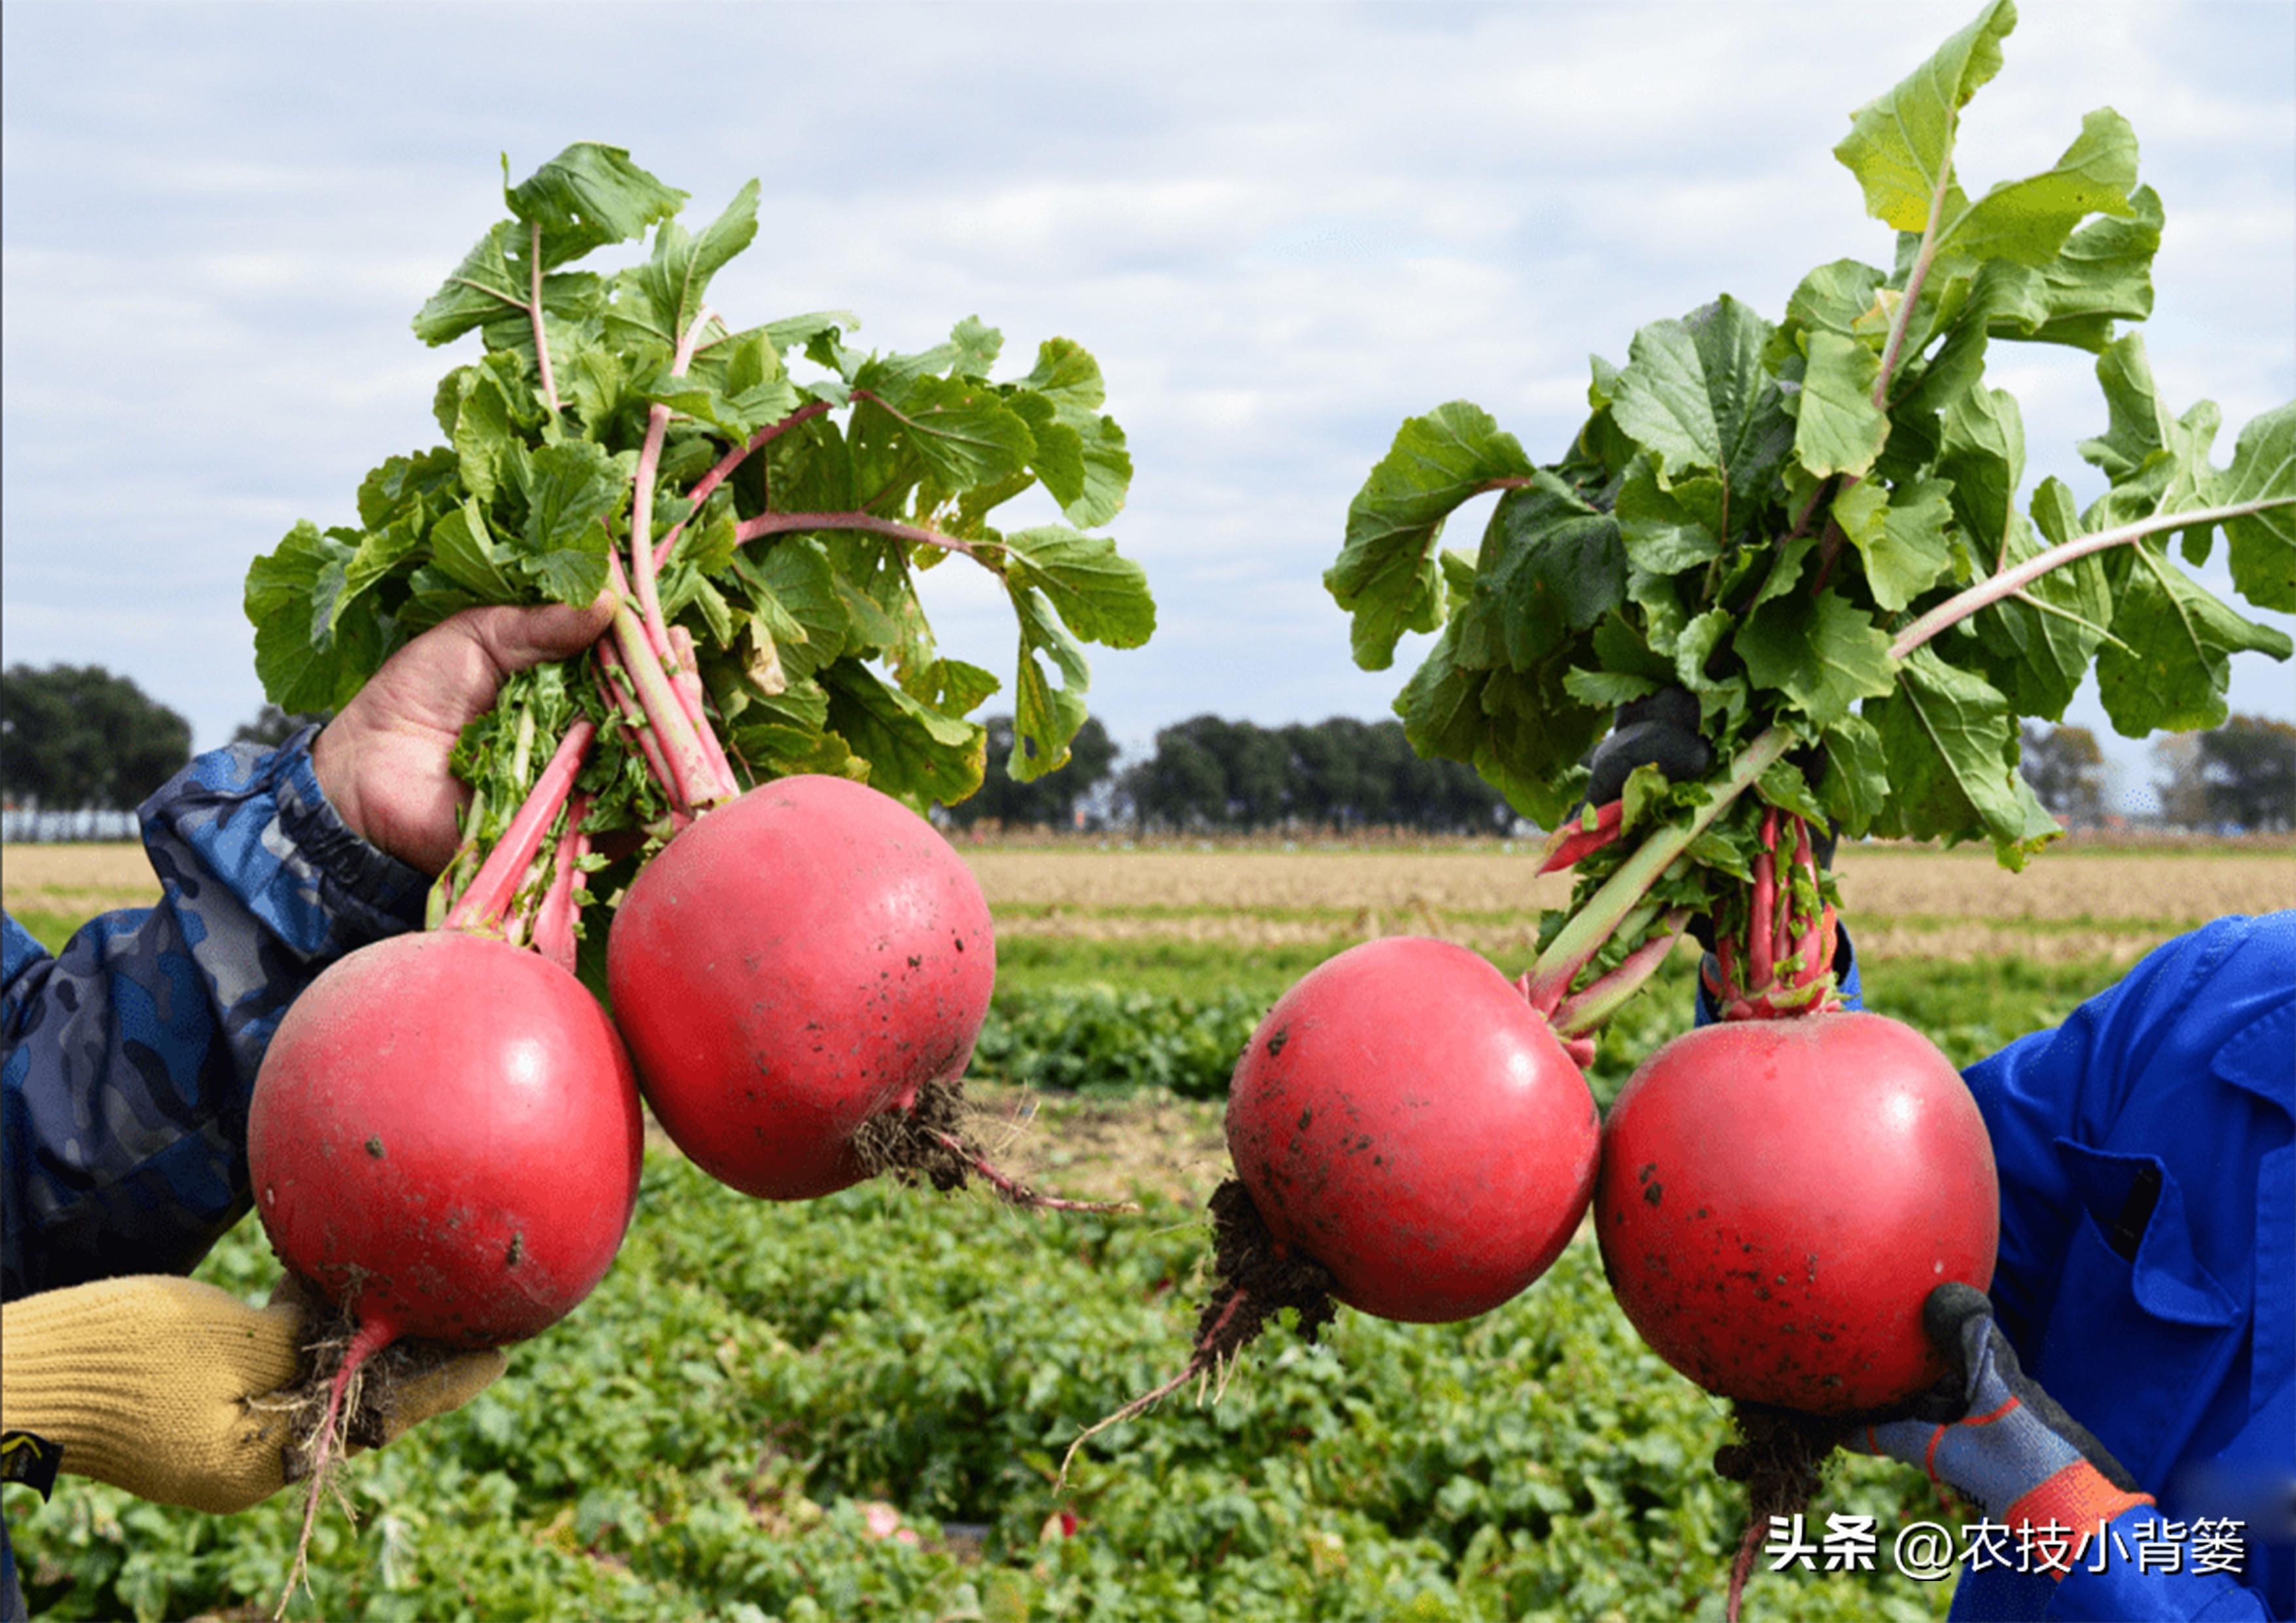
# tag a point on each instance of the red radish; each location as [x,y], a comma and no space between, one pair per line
[446,1137]
[1403,1117]
[1410,1138]
[1778,1198]
[809,957]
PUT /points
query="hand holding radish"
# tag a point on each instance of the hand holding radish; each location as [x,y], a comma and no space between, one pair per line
[384,762]
[1989,1432]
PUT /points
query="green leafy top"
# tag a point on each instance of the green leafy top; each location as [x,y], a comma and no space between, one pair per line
[793,567]
[1813,524]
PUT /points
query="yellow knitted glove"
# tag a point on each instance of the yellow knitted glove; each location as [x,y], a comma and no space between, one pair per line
[146,1382]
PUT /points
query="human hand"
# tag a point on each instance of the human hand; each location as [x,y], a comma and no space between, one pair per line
[152,1383]
[382,762]
[1988,1432]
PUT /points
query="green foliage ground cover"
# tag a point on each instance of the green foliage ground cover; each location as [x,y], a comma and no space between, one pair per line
[705,1435]
[701,1437]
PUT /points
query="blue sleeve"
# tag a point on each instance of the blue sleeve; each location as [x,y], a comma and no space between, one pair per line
[130,1058]
[2075,1081]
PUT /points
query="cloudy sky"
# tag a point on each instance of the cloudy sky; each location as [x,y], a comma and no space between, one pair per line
[1282,228]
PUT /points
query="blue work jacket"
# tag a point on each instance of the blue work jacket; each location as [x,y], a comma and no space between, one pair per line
[2148,1276]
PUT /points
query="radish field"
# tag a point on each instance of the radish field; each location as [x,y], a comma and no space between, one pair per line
[855,1407]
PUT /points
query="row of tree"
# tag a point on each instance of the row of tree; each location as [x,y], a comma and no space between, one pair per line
[2239,777]
[1208,774]
[77,738]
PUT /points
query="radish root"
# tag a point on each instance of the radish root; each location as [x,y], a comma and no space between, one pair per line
[928,1142]
[1255,1278]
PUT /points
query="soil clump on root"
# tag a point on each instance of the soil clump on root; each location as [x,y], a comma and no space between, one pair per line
[928,1143]
[369,1400]
[321,1427]
[1780,1455]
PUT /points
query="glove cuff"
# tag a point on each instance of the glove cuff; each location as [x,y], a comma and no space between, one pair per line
[59,1376]
[2076,1501]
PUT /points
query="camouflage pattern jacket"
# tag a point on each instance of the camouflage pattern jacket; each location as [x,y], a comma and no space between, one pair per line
[130,1059]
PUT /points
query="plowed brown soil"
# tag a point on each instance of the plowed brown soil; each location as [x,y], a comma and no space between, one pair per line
[2067,905]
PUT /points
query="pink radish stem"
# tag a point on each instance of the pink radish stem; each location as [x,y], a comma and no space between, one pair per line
[1761,922]
[709,482]
[687,676]
[613,681]
[553,921]
[783,523]
[1594,1004]
[691,778]
[1579,940]
[642,558]
[489,896]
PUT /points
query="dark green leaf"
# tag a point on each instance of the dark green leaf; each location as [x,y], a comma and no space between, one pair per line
[1951,746]
[959,430]
[2263,545]
[2171,663]
[1386,577]
[1856,782]
[577,487]
[1045,717]
[1550,567]
[462,547]
[1663,533]
[1983,455]
[794,589]
[2036,647]
[915,753]
[1696,394]
[306,660]
[587,196]
[1821,652]
[661,299]
[486,285]
[1100,594]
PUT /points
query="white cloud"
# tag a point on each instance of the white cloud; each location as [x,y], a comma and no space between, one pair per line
[1281,231]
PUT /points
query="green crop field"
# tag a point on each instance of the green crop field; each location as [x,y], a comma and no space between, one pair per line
[855,1408]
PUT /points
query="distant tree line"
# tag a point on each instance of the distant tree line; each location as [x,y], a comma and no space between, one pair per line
[77,739]
[1213,775]
[2239,777]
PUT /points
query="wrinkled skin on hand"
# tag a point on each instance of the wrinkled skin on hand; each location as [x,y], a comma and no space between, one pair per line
[383,761]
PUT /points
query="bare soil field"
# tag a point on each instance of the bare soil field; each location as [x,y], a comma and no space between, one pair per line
[2066,904]
[1126,891]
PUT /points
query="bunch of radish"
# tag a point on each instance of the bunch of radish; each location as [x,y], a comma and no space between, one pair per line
[1805,535]
[713,816]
